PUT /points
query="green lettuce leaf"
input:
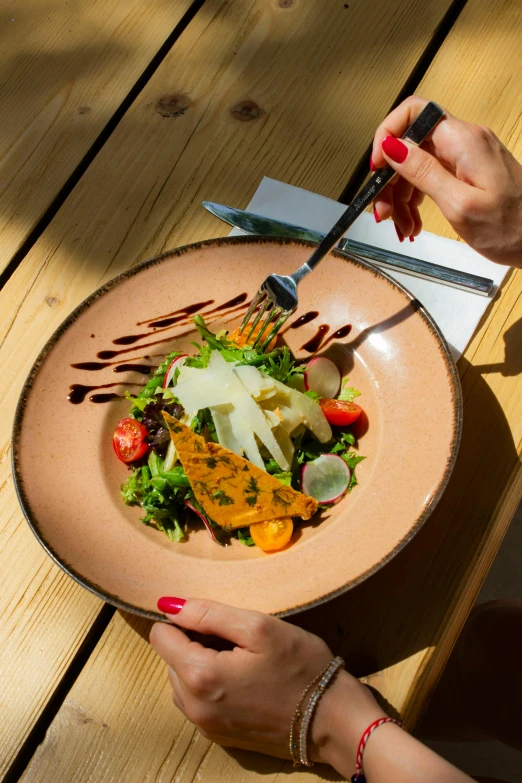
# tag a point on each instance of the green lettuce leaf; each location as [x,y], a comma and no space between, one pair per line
[132,489]
[244,536]
[155,463]
[171,527]
[348,393]
[285,477]
[351,459]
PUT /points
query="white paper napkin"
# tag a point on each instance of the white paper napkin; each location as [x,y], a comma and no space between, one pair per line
[456,312]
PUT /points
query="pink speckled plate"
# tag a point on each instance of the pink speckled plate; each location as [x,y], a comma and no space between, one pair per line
[68,478]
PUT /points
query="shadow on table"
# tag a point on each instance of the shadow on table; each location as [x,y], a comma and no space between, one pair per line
[266,765]
[422,581]
[146,188]
[512,364]
[404,608]
[428,575]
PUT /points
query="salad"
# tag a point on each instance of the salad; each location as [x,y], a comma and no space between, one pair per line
[238,440]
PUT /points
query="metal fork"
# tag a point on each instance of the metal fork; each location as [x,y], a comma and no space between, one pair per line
[277,296]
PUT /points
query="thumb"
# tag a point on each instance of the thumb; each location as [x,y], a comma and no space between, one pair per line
[210,617]
[424,172]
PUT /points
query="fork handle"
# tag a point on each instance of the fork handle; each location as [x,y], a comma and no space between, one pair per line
[429,117]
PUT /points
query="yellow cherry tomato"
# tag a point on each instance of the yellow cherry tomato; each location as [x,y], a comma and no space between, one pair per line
[241,339]
[272,535]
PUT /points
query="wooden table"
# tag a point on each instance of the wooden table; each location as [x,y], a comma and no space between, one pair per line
[119,118]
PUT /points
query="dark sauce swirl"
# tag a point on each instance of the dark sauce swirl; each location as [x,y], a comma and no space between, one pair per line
[78,392]
[312,345]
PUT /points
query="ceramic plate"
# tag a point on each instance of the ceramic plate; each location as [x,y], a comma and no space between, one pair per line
[68,477]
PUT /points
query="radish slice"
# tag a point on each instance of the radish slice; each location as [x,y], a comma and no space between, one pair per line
[326,478]
[323,377]
[179,361]
[205,522]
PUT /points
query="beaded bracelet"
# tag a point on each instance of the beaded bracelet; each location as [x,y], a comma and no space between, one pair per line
[359,774]
[302,719]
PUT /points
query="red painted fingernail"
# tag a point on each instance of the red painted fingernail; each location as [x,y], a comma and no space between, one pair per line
[372,167]
[169,605]
[395,149]
[399,232]
[376,215]
[412,239]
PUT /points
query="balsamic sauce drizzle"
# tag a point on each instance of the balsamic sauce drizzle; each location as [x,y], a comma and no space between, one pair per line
[339,334]
[134,338]
[78,391]
[144,369]
[236,300]
[190,310]
[167,323]
[181,317]
[195,308]
[301,321]
[105,397]
[314,342]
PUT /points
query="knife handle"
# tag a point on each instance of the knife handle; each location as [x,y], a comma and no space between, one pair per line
[417,267]
[429,117]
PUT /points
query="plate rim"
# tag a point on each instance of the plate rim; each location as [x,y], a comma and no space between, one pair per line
[104,595]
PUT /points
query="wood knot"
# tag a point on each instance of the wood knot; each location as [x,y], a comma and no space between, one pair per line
[285,3]
[52,301]
[172,106]
[84,109]
[246,111]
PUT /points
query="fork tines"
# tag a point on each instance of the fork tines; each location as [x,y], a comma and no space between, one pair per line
[275,315]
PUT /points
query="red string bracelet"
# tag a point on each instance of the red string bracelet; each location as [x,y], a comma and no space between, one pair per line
[359,774]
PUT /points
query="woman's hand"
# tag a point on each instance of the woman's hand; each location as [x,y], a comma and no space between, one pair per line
[465,169]
[246,697]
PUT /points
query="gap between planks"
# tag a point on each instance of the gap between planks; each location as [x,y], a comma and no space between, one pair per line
[37,734]
[410,85]
[48,714]
[98,143]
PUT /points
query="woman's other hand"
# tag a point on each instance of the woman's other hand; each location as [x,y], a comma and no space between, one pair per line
[246,697]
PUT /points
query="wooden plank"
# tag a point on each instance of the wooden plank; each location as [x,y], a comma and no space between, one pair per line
[241,111]
[66,69]
[161,746]
[435,580]
[142,193]
[136,732]
[485,89]
[115,739]
[169,215]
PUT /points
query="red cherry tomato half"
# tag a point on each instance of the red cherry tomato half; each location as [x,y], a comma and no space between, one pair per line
[340,413]
[129,440]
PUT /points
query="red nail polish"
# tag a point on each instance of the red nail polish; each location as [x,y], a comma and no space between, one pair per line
[399,232]
[169,605]
[372,167]
[395,149]
[376,215]
[412,239]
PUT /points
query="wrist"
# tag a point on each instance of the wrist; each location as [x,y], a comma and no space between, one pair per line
[345,711]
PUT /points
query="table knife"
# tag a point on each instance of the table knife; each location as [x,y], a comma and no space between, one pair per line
[257,224]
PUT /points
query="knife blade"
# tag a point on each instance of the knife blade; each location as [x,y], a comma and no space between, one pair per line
[257,224]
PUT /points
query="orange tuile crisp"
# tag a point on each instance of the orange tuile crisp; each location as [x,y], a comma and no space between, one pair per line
[232,491]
